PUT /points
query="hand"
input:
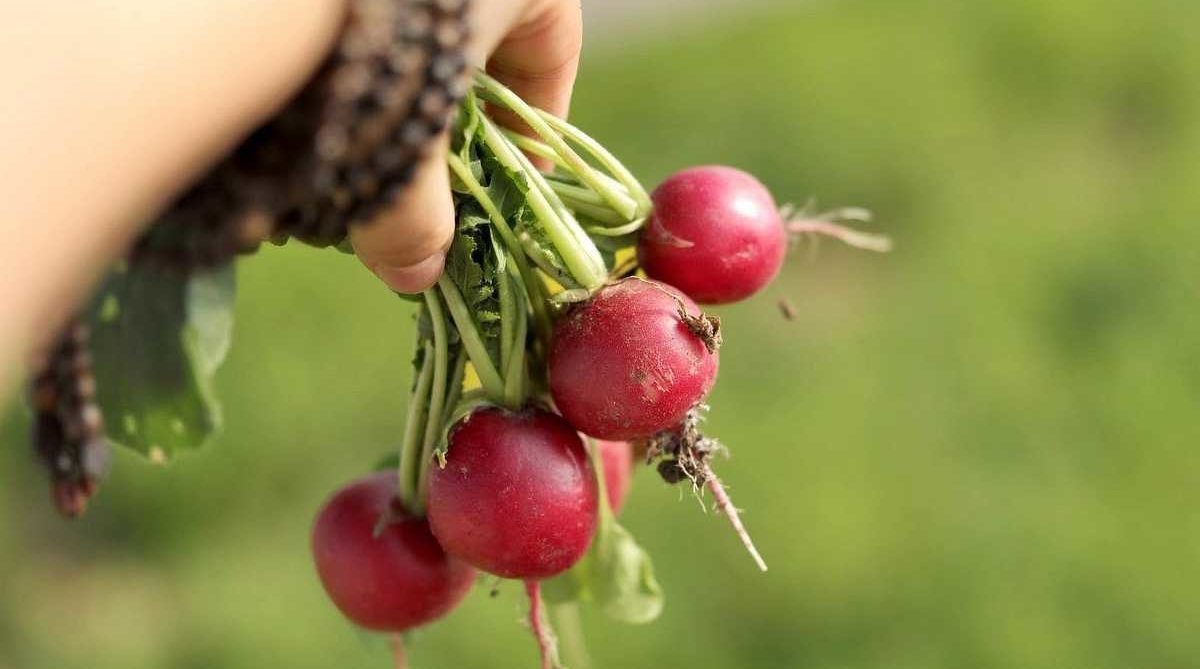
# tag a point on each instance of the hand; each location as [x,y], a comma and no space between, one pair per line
[532,46]
[123,104]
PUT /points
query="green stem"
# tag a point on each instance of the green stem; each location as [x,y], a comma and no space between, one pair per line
[603,509]
[534,147]
[574,193]
[543,325]
[567,178]
[582,259]
[582,241]
[472,342]
[603,156]
[569,192]
[496,92]
[410,445]
[538,180]
[570,631]
[618,231]
[542,150]
[455,385]
[599,214]
[514,374]
[437,396]
[508,317]
[450,399]
[585,201]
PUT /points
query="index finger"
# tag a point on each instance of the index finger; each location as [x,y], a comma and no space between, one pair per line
[539,58]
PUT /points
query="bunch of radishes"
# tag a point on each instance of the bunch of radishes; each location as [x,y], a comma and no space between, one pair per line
[542,359]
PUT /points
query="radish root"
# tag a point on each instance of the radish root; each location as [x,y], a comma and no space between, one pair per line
[684,453]
[399,657]
[725,506]
[804,222]
[547,642]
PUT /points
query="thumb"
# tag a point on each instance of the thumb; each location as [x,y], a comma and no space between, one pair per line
[405,244]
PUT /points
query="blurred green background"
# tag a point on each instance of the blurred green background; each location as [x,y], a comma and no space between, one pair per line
[979,451]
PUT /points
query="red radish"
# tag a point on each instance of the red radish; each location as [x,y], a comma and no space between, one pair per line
[714,233]
[380,566]
[617,457]
[517,497]
[632,360]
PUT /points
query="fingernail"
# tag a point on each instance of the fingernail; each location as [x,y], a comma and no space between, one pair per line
[413,278]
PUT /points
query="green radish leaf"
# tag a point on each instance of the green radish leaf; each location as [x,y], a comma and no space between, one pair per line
[158,338]
[474,264]
[508,190]
[623,583]
[616,575]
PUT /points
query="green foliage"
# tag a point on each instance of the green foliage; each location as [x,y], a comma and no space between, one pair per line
[157,339]
[475,263]
[616,575]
